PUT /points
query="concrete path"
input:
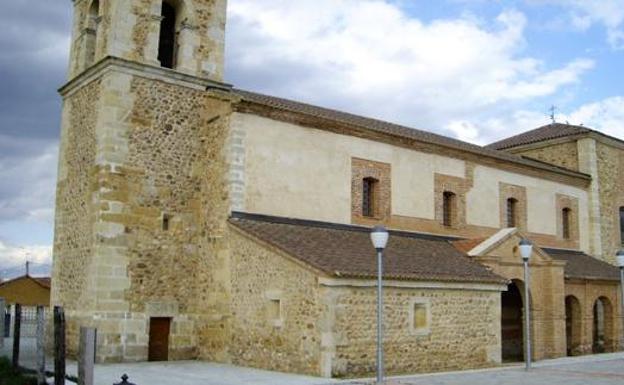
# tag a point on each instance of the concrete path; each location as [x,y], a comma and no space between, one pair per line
[605,369]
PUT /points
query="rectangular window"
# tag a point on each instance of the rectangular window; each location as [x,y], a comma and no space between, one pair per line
[369,185]
[448,208]
[420,316]
[565,223]
[511,212]
[275,310]
[165,222]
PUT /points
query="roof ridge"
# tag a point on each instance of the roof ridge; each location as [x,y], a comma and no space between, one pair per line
[516,140]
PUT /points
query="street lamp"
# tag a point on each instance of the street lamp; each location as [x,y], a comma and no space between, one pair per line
[619,259]
[379,237]
[526,248]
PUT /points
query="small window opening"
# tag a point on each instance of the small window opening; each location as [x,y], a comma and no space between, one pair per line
[512,215]
[369,196]
[167,42]
[92,29]
[275,309]
[448,208]
[565,222]
[166,222]
[420,316]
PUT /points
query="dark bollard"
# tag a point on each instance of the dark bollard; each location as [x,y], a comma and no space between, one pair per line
[124,380]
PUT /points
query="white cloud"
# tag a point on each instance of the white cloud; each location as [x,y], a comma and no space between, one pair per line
[609,13]
[369,57]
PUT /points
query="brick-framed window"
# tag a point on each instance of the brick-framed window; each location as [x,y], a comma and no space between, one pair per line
[567,220]
[371,193]
[450,201]
[449,208]
[369,196]
[513,206]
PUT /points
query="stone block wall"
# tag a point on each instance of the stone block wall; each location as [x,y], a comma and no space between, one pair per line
[286,339]
[563,154]
[610,173]
[144,175]
[463,331]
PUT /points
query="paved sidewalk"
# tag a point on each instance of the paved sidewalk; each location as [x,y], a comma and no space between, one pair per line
[604,369]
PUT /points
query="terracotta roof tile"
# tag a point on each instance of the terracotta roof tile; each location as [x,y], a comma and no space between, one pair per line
[583,266]
[465,245]
[540,134]
[346,251]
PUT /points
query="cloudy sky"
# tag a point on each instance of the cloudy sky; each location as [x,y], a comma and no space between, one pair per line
[477,70]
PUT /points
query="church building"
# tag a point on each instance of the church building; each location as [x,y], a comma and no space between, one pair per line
[199,221]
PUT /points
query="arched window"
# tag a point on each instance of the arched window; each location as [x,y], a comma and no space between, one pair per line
[566,213]
[622,225]
[369,196]
[448,208]
[167,42]
[512,215]
[91,32]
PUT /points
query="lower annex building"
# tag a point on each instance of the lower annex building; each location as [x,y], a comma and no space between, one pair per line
[195,220]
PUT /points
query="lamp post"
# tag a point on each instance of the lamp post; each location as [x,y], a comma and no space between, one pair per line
[379,237]
[620,262]
[526,248]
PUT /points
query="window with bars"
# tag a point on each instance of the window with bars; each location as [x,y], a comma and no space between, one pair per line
[565,222]
[512,215]
[448,208]
[369,186]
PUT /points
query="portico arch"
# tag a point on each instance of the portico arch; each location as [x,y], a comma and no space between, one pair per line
[602,332]
[512,322]
[573,325]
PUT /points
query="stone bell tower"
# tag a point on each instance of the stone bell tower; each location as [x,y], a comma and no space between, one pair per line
[141,208]
[185,35]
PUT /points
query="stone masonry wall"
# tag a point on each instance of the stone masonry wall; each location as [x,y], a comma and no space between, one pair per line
[288,342]
[610,174]
[73,236]
[463,331]
[564,154]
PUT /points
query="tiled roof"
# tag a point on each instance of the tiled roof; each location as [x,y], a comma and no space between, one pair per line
[346,251]
[395,130]
[583,266]
[43,281]
[465,245]
[550,131]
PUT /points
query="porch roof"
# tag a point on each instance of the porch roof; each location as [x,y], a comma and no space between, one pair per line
[582,266]
[346,251]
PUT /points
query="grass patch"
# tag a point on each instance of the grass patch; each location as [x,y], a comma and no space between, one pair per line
[8,376]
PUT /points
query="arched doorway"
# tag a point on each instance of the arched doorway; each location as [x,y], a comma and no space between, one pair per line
[512,324]
[573,325]
[602,326]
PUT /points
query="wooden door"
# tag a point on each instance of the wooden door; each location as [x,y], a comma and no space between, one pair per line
[159,339]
